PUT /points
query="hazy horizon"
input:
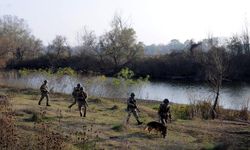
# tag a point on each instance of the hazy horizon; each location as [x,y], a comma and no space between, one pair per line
[155,22]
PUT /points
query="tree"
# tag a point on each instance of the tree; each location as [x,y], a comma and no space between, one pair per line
[119,45]
[215,63]
[245,40]
[88,43]
[16,40]
[59,47]
[235,45]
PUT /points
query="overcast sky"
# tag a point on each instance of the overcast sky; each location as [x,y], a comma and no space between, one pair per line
[155,21]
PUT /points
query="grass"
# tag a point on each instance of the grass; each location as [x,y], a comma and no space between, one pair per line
[105,128]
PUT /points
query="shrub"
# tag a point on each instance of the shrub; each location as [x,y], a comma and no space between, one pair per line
[180,112]
[9,135]
[47,139]
[118,128]
[243,114]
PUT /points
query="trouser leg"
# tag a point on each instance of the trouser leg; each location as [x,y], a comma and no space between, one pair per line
[129,114]
[80,109]
[163,119]
[41,98]
[136,117]
[85,109]
[47,99]
[72,103]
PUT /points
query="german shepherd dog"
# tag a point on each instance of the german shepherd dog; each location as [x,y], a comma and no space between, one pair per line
[158,127]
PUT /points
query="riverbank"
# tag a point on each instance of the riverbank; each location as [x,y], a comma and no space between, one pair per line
[105,128]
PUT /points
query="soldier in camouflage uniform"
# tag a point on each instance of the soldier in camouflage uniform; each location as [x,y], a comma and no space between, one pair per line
[75,94]
[132,108]
[82,103]
[44,93]
[164,112]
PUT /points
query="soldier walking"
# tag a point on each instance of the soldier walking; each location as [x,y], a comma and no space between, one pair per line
[82,103]
[44,93]
[164,112]
[132,108]
[75,93]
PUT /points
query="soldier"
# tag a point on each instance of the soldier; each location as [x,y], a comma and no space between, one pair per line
[132,108]
[44,93]
[164,112]
[75,93]
[82,103]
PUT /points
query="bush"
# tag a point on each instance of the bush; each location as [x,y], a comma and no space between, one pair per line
[118,128]
[180,112]
[243,114]
[9,136]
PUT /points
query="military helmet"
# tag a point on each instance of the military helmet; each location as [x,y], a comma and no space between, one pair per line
[166,101]
[78,85]
[132,94]
[45,81]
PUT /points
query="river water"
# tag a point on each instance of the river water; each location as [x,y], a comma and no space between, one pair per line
[233,95]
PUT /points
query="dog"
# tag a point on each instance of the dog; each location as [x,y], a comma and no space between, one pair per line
[158,127]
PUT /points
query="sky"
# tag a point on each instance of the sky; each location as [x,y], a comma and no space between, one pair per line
[155,21]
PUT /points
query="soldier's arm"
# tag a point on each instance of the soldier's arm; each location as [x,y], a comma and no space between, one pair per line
[85,94]
[131,104]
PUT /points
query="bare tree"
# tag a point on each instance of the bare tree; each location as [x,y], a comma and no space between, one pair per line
[16,39]
[215,63]
[59,47]
[245,39]
[88,43]
[235,45]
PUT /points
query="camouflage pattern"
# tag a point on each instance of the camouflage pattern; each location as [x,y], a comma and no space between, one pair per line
[81,101]
[75,93]
[164,112]
[44,93]
[132,108]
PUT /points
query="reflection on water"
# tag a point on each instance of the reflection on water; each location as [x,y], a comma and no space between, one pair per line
[232,95]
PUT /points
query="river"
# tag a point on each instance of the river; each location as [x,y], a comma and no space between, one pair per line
[233,95]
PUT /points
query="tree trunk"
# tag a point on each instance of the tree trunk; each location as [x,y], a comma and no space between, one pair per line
[214,113]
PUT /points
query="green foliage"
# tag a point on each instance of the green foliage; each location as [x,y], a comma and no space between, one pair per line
[180,112]
[48,72]
[66,71]
[118,128]
[119,44]
[125,73]
[26,72]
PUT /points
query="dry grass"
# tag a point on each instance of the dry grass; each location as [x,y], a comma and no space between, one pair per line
[8,130]
[58,127]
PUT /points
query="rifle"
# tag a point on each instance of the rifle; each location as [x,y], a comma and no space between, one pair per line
[137,108]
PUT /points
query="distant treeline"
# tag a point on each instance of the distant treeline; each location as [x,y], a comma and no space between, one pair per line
[182,65]
[118,48]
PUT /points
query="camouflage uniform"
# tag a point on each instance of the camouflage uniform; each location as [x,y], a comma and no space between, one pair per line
[44,93]
[75,94]
[82,103]
[164,112]
[132,108]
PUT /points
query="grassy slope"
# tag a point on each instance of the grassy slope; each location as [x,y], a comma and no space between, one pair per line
[105,128]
